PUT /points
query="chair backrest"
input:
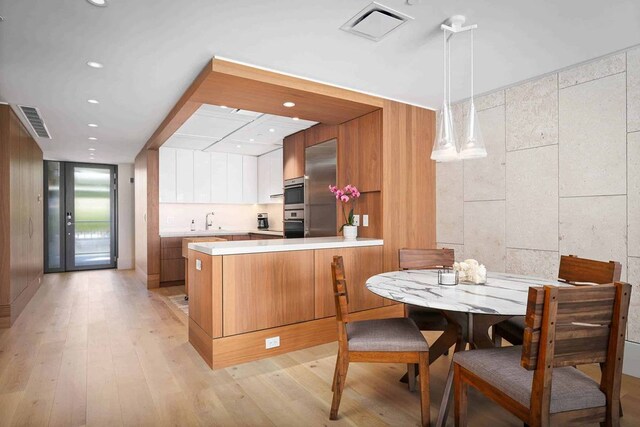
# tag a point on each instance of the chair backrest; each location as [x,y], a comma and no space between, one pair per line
[425,259]
[340,289]
[570,326]
[582,270]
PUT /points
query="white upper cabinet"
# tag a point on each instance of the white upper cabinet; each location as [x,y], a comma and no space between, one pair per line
[219,181]
[167,175]
[184,176]
[193,176]
[270,176]
[275,177]
[263,179]
[201,177]
[249,179]
[234,178]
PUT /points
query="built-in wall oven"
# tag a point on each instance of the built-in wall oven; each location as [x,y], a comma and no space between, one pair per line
[294,193]
[294,190]
[294,223]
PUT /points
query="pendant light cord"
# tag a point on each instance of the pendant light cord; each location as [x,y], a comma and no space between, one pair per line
[449,74]
[444,64]
[472,66]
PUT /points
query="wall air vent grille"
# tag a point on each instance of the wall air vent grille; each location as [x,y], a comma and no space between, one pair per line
[375,22]
[34,118]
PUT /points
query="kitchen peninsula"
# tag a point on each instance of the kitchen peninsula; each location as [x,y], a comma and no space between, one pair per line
[254,299]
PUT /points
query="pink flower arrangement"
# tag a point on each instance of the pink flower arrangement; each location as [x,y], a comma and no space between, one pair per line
[345,195]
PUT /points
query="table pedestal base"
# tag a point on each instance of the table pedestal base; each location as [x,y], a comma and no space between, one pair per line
[463,329]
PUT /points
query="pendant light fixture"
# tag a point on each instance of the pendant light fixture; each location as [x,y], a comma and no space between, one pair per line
[473,143]
[445,146]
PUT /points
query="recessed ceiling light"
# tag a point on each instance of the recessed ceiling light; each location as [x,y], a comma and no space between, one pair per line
[92,149]
[251,139]
[289,104]
[93,138]
[93,101]
[94,64]
[92,125]
[99,3]
[239,146]
[295,118]
[272,130]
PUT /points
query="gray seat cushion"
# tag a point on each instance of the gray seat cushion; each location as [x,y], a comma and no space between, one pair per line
[399,334]
[570,388]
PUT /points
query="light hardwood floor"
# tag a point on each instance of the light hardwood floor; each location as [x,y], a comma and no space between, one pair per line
[97,348]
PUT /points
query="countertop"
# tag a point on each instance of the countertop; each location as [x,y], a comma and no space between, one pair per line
[280,245]
[218,232]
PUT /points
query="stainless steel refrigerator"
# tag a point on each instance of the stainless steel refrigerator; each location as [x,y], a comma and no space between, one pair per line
[320,204]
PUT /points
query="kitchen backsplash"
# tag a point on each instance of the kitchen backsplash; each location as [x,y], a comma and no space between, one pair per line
[178,216]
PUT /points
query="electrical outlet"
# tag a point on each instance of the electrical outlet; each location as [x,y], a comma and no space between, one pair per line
[272,342]
[356,220]
[199,264]
[365,220]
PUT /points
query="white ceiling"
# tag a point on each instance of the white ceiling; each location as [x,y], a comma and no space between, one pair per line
[227,130]
[153,49]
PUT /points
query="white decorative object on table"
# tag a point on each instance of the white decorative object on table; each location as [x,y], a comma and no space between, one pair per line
[350,232]
[471,271]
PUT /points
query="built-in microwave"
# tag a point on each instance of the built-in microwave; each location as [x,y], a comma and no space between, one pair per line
[294,194]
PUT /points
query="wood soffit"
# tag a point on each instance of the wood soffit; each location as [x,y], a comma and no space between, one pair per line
[240,86]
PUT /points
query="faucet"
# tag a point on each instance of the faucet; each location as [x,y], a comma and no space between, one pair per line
[208,223]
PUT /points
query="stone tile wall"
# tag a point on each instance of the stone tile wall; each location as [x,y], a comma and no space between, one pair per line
[562,175]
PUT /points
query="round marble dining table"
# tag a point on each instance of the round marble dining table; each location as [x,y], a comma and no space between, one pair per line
[503,294]
[471,310]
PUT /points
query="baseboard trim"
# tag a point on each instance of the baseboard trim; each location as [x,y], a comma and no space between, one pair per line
[631,364]
[236,349]
[10,312]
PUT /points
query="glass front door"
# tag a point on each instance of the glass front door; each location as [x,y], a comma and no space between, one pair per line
[84,212]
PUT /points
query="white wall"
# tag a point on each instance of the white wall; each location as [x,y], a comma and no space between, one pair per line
[125,217]
[178,216]
[562,175]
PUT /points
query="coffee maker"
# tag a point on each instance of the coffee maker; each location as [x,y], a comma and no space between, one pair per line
[263,221]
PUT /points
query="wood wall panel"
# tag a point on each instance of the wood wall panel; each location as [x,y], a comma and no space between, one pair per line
[147,220]
[360,264]
[370,152]
[408,180]
[319,133]
[360,152]
[293,155]
[348,134]
[21,216]
[267,290]
[140,214]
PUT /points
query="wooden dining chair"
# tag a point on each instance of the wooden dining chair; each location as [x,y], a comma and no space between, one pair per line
[395,340]
[574,270]
[537,382]
[426,259]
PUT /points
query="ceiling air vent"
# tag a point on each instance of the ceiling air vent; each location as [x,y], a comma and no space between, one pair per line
[375,22]
[32,115]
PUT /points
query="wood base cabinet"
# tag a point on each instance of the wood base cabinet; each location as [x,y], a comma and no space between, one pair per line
[21,216]
[238,301]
